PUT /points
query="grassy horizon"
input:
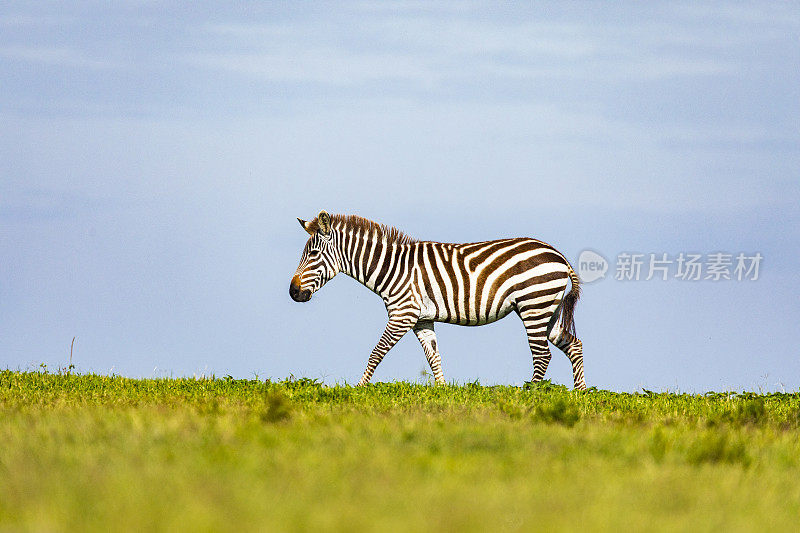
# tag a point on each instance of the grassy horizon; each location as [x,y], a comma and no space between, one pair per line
[93,452]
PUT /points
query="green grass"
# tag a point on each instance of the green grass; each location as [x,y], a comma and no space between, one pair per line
[95,452]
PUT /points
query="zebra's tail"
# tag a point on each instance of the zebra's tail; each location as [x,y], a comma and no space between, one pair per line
[568,305]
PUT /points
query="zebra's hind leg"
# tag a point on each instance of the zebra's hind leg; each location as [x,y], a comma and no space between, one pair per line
[573,348]
[427,338]
[536,328]
[540,364]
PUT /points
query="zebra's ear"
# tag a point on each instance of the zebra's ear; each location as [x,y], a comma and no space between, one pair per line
[305,226]
[324,221]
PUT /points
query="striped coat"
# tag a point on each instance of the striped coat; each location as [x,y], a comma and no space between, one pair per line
[423,282]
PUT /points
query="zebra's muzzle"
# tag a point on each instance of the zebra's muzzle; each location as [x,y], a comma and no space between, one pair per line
[297,294]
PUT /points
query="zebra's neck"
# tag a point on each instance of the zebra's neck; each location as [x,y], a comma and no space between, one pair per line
[375,262]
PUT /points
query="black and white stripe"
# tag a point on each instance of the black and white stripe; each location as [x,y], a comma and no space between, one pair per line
[423,282]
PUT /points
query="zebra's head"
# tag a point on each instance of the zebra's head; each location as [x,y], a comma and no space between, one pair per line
[319,262]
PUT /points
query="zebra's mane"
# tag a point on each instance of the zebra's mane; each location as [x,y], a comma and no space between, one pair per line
[368,227]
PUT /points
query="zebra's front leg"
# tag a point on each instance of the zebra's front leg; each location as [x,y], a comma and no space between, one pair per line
[395,329]
[427,338]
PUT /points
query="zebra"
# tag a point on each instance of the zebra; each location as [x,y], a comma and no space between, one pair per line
[422,282]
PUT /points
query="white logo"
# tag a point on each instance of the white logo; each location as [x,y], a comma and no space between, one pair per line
[591,266]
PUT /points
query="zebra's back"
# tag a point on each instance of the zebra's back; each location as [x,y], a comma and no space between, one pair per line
[478,283]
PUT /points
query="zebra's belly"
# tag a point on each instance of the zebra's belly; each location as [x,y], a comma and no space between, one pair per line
[462,317]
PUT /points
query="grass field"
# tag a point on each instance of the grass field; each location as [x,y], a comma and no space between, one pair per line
[95,452]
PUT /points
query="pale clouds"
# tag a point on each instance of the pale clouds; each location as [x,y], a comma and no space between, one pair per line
[431,52]
[320,65]
[54,56]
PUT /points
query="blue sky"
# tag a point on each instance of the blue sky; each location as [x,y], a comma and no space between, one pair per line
[153,158]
